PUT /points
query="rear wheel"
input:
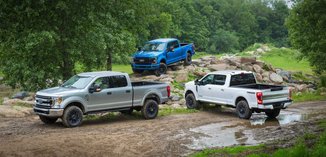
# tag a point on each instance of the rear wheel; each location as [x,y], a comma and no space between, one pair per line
[191,102]
[188,59]
[72,116]
[272,113]
[150,109]
[161,70]
[48,120]
[243,110]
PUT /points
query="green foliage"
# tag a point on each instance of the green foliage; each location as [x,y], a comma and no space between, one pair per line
[308,96]
[177,85]
[322,80]
[228,151]
[286,59]
[169,110]
[306,25]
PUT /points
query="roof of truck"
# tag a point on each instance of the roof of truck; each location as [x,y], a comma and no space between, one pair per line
[100,73]
[230,72]
[163,40]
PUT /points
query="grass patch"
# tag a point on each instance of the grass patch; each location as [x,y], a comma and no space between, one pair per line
[122,68]
[286,59]
[169,111]
[100,117]
[229,151]
[308,96]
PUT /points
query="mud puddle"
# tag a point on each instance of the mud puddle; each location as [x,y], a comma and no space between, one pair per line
[238,133]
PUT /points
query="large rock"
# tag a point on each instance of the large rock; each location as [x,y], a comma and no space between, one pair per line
[200,73]
[260,63]
[190,68]
[276,78]
[250,60]
[285,74]
[20,95]
[266,74]
[196,62]
[218,67]
[247,67]
[259,77]
[175,98]
[257,69]
[181,76]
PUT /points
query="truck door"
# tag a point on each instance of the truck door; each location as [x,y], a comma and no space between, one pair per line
[172,55]
[119,92]
[99,99]
[210,88]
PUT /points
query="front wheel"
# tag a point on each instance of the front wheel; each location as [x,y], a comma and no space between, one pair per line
[150,109]
[272,113]
[161,70]
[48,120]
[191,102]
[243,110]
[188,59]
[72,116]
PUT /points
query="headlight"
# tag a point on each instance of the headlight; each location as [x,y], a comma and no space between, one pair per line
[154,61]
[56,101]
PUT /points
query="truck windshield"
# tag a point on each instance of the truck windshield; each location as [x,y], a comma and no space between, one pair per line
[154,47]
[76,81]
[242,79]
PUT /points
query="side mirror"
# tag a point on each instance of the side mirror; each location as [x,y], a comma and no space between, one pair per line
[139,48]
[196,82]
[171,49]
[94,88]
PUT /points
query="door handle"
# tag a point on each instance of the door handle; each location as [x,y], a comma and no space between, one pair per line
[209,88]
[109,93]
[127,91]
[222,90]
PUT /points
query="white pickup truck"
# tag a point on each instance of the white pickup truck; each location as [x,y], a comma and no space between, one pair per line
[237,89]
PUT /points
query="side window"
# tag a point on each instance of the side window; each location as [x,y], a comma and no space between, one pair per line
[102,82]
[117,81]
[219,79]
[208,80]
[175,44]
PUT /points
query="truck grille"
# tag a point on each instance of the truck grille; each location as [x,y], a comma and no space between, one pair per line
[43,101]
[143,60]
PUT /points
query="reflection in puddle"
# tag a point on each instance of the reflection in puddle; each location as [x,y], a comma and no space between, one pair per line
[282,119]
[227,134]
[220,134]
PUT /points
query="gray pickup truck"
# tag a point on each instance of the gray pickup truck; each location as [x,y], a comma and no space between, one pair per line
[94,92]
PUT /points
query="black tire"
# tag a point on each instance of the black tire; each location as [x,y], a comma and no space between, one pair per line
[161,70]
[150,109]
[48,120]
[243,110]
[127,112]
[272,113]
[191,102]
[72,116]
[137,71]
[188,59]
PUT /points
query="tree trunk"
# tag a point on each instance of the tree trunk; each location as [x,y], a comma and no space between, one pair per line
[109,60]
[67,67]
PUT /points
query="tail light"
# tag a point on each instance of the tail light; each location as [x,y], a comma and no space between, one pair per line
[290,93]
[259,96]
[168,89]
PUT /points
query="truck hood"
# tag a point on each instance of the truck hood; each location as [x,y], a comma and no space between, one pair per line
[147,54]
[57,91]
[191,83]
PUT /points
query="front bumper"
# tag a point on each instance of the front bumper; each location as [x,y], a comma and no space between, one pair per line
[275,105]
[53,112]
[145,66]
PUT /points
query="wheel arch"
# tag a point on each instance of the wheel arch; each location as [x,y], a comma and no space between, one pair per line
[76,103]
[239,98]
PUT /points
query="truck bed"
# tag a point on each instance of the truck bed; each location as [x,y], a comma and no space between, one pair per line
[260,87]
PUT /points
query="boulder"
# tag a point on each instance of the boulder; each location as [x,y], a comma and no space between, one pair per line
[257,68]
[247,67]
[200,73]
[175,98]
[218,67]
[265,48]
[276,78]
[260,63]
[250,60]
[190,68]
[301,87]
[259,77]
[259,51]
[181,76]
[266,79]
[196,62]
[20,95]
[266,74]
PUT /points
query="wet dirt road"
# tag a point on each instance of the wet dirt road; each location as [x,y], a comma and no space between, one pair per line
[174,135]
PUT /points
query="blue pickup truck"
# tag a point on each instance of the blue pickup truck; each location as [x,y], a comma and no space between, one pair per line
[157,54]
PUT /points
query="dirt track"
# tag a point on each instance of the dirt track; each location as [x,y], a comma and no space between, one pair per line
[174,135]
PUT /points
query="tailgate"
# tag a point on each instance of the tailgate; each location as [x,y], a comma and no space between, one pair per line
[271,96]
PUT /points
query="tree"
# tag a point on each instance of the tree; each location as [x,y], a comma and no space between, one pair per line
[307,30]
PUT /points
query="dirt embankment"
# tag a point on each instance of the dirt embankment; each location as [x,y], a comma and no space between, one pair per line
[175,135]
